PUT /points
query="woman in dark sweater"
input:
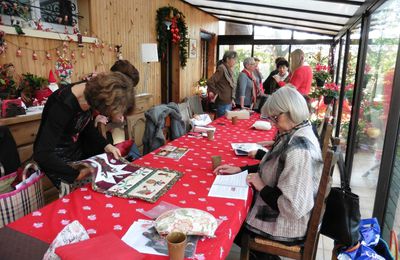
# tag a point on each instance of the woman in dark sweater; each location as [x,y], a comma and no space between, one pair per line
[67,131]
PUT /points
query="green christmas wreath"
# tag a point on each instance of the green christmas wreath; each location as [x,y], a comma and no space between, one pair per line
[171,27]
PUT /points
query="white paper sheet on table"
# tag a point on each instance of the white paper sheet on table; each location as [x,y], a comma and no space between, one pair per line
[230,186]
[244,148]
[134,237]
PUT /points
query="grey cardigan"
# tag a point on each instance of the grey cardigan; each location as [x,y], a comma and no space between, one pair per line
[153,137]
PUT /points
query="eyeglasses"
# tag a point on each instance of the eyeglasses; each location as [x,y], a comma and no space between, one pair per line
[275,119]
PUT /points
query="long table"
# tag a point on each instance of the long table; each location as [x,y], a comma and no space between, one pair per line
[101,214]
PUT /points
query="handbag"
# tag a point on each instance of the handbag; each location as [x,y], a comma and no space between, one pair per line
[342,214]
[27,197]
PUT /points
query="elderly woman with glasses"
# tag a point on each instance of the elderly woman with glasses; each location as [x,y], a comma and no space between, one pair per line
[287,178]
[247,85]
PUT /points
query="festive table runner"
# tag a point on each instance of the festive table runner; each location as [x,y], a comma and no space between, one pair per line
[101,214]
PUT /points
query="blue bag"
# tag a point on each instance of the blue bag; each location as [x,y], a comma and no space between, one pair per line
[370,232]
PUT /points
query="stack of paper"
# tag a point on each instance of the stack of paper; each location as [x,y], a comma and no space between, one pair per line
[230,186]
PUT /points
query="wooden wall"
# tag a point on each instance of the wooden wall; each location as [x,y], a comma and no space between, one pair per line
[125,22]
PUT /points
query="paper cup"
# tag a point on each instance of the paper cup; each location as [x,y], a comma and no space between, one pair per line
[210,135]
[216,161]
[176,245]
[234,120]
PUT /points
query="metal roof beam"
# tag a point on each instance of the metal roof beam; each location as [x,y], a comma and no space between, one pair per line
[281,8]
[270,15]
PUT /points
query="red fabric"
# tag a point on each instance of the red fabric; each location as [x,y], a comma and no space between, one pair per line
[106,247]
[302,79]
[52,79]
[101,214]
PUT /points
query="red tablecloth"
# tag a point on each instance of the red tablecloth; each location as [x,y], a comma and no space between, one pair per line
[101,214]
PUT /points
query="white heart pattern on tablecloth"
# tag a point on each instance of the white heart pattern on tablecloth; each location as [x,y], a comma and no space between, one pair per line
[186,184]
[36,213]
[132,202]
[38,225]
[62,211]
[192,193]
[65,200]
[173,195]
[116,215]
[109,205]
[117,227]
[209,208]
[91,231]
[182,201]
[86,208]
[92,217]
[84,189]
[202,199]
[64,222]
[87,197]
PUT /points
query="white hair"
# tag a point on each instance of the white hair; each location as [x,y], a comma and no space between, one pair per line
[287,100]
[248,61]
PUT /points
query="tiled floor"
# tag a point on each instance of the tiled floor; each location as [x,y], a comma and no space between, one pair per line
[364,185]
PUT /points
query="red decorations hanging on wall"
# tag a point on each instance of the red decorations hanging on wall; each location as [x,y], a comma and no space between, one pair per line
[48,55]
[18,53]
[34,56]
[171,27]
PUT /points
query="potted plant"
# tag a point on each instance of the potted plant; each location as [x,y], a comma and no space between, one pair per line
[330,92]
[201,86]
[34,86]
[321,74]
[8,86]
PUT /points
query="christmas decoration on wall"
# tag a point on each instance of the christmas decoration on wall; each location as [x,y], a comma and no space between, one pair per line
[64,69]
[3,45]
[171,27]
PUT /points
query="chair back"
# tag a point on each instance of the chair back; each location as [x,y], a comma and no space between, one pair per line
[314,224]
[195,105]
[119,131]
[325,139]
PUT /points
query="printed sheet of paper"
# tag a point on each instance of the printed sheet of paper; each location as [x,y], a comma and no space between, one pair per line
[172,152]
[230,186]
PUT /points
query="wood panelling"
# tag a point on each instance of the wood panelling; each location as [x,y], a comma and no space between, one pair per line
[126,22]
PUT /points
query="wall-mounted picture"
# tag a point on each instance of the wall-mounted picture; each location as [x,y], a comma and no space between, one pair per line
[192,48]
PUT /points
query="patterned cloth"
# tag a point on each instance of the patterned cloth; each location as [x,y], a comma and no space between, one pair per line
[101,214]
[294,165]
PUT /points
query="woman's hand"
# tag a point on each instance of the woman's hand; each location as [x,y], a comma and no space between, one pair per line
[255,180]
[100,119]
[233,104]
[85,172]
[252,154]
[226,169]
[114,150]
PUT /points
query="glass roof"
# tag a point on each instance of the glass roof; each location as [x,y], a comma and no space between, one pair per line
[318,16]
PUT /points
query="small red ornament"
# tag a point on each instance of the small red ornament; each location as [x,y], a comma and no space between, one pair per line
[48,56]
[34,56]
[58,52]
[110,48]
[83,55]
[72,55]
[65,50]
[65,44]
[19,52]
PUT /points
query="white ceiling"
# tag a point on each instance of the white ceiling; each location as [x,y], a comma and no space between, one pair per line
[326,17]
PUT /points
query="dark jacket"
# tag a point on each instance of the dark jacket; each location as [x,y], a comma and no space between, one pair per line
[153,137]
[66,134]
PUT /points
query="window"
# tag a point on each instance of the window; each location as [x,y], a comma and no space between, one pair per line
[263,32]
[55,15]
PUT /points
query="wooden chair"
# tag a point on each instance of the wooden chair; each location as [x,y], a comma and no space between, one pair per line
[308,250]
[325,138]
[167,129]
[119,131]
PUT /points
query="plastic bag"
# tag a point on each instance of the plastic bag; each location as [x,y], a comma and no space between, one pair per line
[370,232]
[360,252]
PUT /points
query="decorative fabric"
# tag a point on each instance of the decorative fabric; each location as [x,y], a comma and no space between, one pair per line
[119,179]
[187,220]
[72,233]
[101,213]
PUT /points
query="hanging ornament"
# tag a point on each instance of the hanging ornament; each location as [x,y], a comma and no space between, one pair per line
[110,48]
[58,53]
[65,50]
[80,42]
[48,55]
[18,53]
[65,44]
[102,45]
[83,55]
[72,55]
[3,44]
[34,56]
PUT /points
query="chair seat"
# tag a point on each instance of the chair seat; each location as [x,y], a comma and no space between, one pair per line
[270,243]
